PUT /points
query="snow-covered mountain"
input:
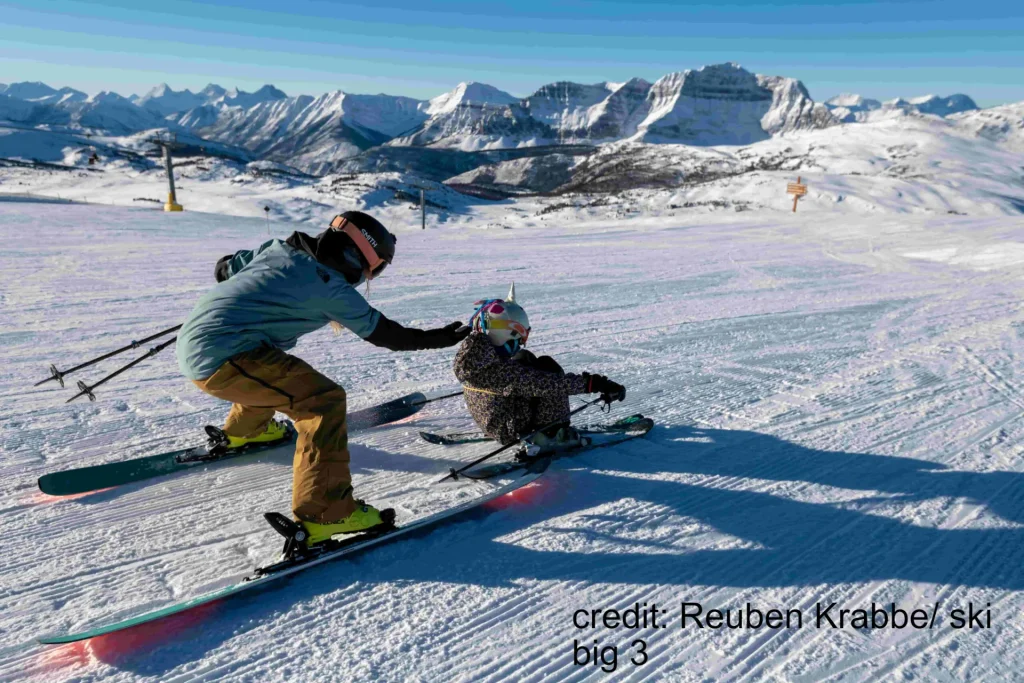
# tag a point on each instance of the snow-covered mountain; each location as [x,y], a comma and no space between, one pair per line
[477,126]
[63,96]
[472,116]
[198,117]
[590,112]
[40,93]
[14,109]
[468,93]
[472,126]
[725,104]
[105,112]
[164,101]
[933,104]
[715,105]
[212,92]
[305,131]
[27,90]
[217,100]
[968,162]
[167,102]
[240,98]
[850,108]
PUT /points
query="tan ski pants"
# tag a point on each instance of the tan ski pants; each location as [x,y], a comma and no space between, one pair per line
[266,380]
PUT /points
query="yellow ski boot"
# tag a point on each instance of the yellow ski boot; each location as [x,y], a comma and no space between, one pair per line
[276,430]
[365,518]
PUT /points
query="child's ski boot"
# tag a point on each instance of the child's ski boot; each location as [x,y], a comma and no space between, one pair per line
[554,441]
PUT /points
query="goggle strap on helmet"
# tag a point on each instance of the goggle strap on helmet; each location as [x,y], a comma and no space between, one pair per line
[479,316]
[376,264]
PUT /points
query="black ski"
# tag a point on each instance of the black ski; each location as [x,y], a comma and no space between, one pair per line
[298,560]
[453,438]
[96,477]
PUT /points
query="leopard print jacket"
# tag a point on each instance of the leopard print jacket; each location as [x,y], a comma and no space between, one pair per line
[506,396]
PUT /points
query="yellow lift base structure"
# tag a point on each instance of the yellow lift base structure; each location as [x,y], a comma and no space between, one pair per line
[171,204]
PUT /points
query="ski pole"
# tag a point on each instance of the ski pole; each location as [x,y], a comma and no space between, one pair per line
[454,473]
[59,376]
[439,398]
[86,390]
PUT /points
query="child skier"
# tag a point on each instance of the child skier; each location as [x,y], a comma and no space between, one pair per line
[509,391]
[233,347]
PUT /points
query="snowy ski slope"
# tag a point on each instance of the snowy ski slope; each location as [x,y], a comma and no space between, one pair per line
[839,417]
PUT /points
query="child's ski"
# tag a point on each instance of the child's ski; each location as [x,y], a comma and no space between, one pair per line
[600,436]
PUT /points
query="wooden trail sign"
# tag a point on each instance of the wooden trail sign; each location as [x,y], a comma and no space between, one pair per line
[797,190]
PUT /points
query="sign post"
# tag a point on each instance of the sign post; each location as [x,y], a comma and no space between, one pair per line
[797,190]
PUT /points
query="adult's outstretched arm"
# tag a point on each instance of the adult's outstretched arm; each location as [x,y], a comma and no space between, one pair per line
[391,335]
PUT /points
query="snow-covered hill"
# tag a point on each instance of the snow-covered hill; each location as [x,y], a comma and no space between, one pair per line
[838,421]
[967,163]
[1003,125]
[714,135]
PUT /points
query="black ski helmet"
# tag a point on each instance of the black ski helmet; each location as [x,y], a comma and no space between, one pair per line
[375,244]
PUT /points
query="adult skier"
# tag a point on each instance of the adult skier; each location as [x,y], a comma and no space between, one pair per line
[233,347]
[509,391]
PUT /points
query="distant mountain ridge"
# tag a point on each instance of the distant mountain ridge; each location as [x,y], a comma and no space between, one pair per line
[721,104]
[716,105]
[166,102]
[850,108]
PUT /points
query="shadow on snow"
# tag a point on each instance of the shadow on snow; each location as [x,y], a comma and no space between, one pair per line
[796,543]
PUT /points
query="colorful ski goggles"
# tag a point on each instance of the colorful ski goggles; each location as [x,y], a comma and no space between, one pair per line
[524,332]
[359,236]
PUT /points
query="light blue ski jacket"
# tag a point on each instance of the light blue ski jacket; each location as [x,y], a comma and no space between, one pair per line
[273,296]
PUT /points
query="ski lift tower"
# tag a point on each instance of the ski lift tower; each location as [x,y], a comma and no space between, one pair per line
[167,143]
[423,204]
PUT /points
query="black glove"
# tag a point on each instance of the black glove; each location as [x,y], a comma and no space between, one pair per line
[451,334]
[609,390]
[391,335]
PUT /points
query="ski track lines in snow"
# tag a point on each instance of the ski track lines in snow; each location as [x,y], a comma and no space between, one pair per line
[836,422]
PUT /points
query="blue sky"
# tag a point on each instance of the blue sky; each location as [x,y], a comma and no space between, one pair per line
[879,49]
